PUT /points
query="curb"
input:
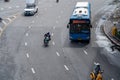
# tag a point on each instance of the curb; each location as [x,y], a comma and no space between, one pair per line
[112,40]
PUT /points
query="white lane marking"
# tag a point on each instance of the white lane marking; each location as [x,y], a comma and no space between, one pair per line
[53,43]
[29,27]
[4,22]
[52,34]
[57,54]
[33,71]
[112,79]
[2,8]
[9,19]
[9,7]
[85,52]
[66,67]
[26,34]
[27,55]
[26,44]
[17,6]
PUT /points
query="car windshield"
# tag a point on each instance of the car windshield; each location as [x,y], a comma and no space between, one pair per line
[79,28]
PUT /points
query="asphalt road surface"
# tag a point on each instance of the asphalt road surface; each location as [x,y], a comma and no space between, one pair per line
[23,56]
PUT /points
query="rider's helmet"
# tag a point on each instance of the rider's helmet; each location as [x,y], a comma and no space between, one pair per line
[98,64]
[48,33]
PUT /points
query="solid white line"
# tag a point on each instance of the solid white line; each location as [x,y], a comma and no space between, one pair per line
[33,71]
[53,43]
[27,55]
[85,52]
[26,34]
[57,54]
[66,67]
[52,34]
[25,43]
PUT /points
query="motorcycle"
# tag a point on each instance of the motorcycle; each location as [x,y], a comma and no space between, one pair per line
[96,75]
[46,41]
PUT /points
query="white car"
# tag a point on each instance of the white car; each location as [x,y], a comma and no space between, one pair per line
[30,10]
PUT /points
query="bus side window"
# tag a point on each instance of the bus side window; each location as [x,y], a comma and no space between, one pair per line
[68,25]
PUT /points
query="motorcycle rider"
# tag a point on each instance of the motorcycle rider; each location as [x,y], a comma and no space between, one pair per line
[97,69]
[48,35]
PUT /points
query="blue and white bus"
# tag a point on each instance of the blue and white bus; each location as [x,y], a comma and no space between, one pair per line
[80,22]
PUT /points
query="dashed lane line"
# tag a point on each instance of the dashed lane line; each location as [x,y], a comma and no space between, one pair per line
[52,34]
[53,43]
[57,54]
[26,44]
[66,67]
[85,52]
[27,55]
[33,70]
[26,34]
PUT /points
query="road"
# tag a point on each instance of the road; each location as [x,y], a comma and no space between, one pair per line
[23,56]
